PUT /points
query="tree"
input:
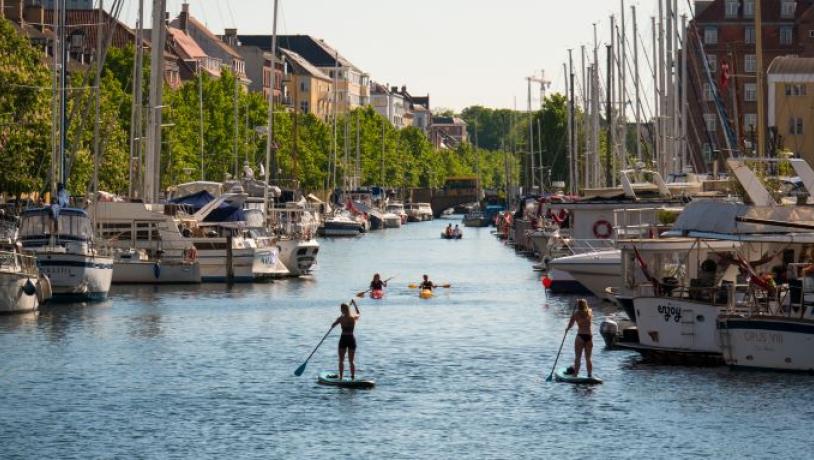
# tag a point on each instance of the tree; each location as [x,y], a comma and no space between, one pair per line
[25,113]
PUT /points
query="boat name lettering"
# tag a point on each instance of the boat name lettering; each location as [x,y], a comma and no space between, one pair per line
[763,337]
[670,311]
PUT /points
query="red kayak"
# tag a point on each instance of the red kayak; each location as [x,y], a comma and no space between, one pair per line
[376,294]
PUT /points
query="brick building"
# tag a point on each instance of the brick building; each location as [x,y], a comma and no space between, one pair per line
[725,30]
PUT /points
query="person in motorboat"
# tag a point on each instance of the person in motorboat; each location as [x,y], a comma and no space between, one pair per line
[456,232]
[426,284]
[347,341]
[583,343]
[449,230]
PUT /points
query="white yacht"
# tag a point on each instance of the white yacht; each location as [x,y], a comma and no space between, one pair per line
[147,244]
[267,259]
[295,227]
[62,240]
[394,207]
[22,287]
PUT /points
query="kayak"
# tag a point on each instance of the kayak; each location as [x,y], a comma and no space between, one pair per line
[561,376]
[376,294]
[425,293]
[332,378]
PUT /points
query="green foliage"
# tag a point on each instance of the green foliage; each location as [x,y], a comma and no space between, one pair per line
[25,113]
[202,112]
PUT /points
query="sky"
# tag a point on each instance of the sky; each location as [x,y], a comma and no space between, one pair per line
[460,52]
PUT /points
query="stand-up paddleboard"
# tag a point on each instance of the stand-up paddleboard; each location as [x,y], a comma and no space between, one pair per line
[376,294]
[332,378]
[425,293]
[561,376]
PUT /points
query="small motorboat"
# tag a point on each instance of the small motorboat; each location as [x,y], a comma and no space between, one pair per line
[455,236]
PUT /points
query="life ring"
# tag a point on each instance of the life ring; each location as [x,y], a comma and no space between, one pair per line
[603,229]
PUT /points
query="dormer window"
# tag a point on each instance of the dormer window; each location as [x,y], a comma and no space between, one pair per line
[732,7]
[787,8]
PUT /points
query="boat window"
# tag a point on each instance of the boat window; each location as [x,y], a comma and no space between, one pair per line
[77,226]
[35,225]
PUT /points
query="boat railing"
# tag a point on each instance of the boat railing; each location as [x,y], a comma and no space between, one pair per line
[11,261]
[727,295]
[585,246]
[639,223]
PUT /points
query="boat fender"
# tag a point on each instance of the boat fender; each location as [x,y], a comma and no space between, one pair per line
[157,270]
[191,254]
[603,229]
[28,288]
[44,292]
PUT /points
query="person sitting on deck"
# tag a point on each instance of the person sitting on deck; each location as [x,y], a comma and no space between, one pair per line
[426,284]
[377,284]
[456,232]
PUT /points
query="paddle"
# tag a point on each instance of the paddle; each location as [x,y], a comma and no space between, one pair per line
[551,375]
[414,286]
[362,294]
[301,369]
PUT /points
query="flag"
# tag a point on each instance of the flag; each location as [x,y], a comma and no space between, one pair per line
[724,77]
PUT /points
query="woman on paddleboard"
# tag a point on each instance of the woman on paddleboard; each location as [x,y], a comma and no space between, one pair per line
[584,341]
[347,342]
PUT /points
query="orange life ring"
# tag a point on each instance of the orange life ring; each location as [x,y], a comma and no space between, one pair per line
[603,229]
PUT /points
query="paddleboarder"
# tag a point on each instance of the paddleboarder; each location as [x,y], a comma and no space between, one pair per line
[584,341]
[347,342]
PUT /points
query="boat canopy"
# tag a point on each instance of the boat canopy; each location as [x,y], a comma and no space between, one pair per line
[65,223]
[706,217]
[223,213]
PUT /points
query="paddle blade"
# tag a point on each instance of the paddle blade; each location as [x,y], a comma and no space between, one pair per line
[360,294]
[300,369]
[412,286]
[549,378]
[446,285]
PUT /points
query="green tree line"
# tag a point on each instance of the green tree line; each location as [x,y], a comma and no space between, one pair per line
[204,110]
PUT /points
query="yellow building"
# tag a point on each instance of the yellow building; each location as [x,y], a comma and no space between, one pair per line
[309,89]
[791,104]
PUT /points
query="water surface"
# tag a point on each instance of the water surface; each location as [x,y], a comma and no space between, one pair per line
[207,371]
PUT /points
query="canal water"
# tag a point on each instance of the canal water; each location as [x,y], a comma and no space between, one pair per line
[207,371]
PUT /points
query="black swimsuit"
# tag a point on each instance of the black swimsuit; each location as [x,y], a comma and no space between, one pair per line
[585,337]
[347,340]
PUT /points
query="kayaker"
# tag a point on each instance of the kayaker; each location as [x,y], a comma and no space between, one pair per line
[377,284]
[584,341]
[426,284]
[347,342]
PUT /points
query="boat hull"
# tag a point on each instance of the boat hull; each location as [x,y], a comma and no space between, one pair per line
[677,327]
[213,265]
[268,264]
[563,283]
[13,298]
[299,256]
[779,343]
[77,277]
[594,271]
[146,272]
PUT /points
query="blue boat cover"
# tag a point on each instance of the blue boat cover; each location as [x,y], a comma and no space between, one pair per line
[224,212]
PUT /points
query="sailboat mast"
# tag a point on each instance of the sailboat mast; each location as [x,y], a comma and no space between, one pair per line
[57,44]
[136,132]
[63,114]
[637,84]
[153,157]
[761,116]
[270,140]
[684,75]
[97,95]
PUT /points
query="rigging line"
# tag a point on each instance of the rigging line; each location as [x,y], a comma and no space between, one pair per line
[649,111]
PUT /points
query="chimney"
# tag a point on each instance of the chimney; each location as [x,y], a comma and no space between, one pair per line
[183,18]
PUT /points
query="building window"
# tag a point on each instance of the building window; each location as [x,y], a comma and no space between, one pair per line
[811,33]
[788,90]
[786,33]
[749,35]
[750,92]
[711,35]
[798,89]
[732,7]
[712,60]
[749,63]
[304,106]
[710,122]
[748,8]
[749,122]
[787,8]
[795,126]
[707,151]
[709,94]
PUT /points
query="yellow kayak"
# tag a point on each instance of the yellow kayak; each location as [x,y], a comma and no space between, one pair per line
[425,293]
